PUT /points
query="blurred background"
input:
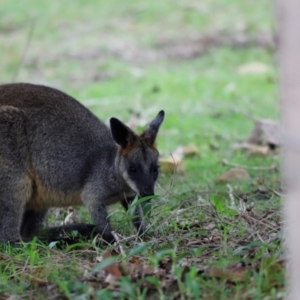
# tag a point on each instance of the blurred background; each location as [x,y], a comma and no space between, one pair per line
[209,64]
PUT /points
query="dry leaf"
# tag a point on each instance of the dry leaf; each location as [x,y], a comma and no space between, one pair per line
[148,270]
[209,226]
[195,243]
[231,274]
[166,264]
[264,139]
[186,151]
[98,259]
[266,132]
[136,260]
[134,270]
[38,277]
[206,241]
[168,165]
[37,282]
[71,217]
[140,270]
[190,150]
[254,149]
[110,279]
[253,68]
[234,175]
[113,271]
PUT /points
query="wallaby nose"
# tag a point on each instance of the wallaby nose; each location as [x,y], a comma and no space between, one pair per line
[147,191]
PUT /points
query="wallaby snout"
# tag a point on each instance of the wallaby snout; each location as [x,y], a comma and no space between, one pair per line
[147,191]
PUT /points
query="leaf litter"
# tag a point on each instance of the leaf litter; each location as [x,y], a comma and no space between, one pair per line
[234,175]
[251,259]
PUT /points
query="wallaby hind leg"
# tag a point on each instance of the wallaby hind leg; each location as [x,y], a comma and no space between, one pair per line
[138,215]
[15,184]
[10,214]
[32,223]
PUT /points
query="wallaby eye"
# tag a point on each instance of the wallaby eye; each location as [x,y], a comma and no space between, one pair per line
[132,169]
[155,169]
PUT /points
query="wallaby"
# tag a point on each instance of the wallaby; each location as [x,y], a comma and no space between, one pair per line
[54,153]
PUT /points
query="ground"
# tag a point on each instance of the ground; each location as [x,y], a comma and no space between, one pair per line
[211,65]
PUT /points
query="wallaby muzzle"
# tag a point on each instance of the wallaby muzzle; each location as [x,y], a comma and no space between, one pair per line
[147,191]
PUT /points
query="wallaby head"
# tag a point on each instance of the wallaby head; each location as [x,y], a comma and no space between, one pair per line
[137,159]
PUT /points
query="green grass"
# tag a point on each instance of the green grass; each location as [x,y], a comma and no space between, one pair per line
[123,56]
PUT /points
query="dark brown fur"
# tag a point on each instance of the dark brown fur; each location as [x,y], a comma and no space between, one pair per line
[55,152]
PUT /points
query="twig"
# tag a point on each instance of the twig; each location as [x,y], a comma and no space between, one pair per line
[275,192]
[25,49]
[230,194]
[260,238]
[226,162]
[258,221]
[118,243]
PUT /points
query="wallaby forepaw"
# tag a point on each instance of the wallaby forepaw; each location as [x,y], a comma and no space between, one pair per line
[142,231]
[108,238]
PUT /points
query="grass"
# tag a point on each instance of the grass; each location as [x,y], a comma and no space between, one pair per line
[183,57]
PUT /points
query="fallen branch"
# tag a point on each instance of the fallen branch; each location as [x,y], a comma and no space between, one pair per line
[275,193]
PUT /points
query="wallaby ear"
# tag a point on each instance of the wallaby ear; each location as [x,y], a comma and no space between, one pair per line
[121,133]
[151,131]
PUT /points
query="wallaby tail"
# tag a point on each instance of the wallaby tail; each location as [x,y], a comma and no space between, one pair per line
[64,233]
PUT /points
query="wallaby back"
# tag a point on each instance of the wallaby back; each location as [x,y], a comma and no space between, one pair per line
[55,152]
